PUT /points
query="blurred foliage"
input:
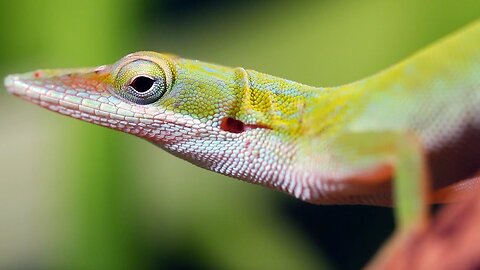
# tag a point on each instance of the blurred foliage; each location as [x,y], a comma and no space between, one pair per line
[78,196]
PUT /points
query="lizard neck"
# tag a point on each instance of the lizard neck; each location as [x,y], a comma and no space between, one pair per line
[272,102]
[266,150]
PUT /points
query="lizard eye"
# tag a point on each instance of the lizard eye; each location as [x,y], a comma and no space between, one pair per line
[143,89]
[141,81]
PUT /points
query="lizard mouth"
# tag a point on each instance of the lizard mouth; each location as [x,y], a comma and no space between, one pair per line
[67,94]
[48,82]
[87,94]
[78,91]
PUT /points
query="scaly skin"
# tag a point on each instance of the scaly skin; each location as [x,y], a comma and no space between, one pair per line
[324,145]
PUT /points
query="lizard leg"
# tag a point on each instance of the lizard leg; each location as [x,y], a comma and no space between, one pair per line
[410,182]
[405,155]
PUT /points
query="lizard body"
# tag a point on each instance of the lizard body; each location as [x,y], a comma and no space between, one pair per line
[326,145]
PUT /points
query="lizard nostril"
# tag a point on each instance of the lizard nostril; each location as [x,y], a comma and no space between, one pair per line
[37,74]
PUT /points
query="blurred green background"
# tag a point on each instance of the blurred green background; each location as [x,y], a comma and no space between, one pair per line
[78,196]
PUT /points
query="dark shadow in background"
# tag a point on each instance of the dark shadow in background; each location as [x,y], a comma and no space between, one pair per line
[348,235]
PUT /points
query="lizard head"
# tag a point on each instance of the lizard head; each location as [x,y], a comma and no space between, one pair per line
[192,109]
[149,94]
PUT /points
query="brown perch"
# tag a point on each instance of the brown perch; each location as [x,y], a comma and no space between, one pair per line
[451,241]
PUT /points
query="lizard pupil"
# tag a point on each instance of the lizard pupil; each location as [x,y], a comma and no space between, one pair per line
[142,84]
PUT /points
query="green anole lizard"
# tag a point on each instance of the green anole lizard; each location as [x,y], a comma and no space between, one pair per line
[414,122]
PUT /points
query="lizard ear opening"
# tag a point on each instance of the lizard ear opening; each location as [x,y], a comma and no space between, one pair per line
[232,125]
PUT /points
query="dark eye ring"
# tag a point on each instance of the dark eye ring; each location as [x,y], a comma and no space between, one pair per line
[142,81]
